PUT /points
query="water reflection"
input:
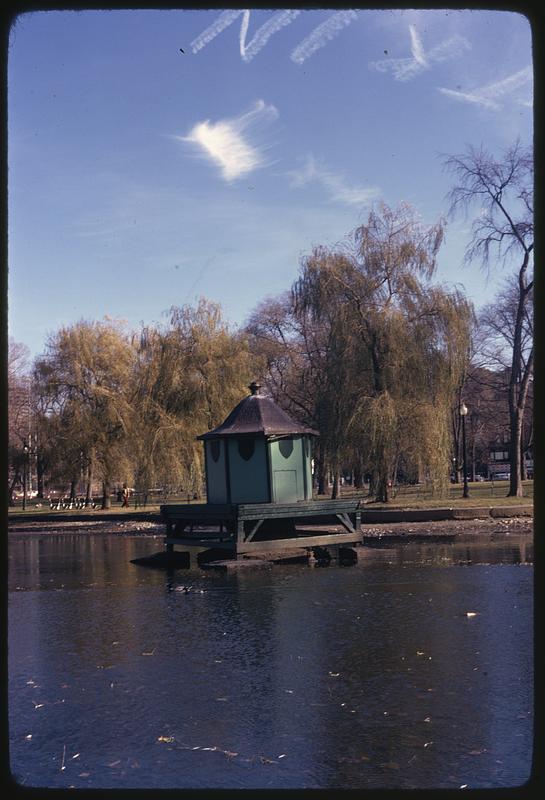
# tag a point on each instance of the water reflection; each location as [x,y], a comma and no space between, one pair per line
[468,549]
[370,676]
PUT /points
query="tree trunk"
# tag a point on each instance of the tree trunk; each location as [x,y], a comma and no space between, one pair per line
[89,487]
[373,484]
[522,459]
[73,490]
[40,473]
[518,387]
[16,479]
[336,490]
[321,471]
[383,495]
[106,500]
[358,475]
[517,402]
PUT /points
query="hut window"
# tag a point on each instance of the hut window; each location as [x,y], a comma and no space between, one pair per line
[215,448]
[286,447]
[246,448]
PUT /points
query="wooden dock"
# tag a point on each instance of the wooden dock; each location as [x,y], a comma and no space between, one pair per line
[250,528]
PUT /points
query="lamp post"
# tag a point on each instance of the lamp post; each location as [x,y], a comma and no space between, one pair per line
[25,467]
[463,414]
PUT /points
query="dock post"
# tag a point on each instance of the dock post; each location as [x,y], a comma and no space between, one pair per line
[240,537]
[357,521]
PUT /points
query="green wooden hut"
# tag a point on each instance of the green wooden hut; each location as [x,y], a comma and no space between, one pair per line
[258,455]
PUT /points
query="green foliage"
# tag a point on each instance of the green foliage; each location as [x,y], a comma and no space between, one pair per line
[190,374]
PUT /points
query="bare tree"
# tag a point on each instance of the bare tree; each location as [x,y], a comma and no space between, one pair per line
[19,411]
[503,231]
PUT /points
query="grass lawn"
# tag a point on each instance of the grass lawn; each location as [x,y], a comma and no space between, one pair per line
[487,493]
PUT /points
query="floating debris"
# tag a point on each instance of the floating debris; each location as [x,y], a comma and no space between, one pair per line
[471,613]
[165,739]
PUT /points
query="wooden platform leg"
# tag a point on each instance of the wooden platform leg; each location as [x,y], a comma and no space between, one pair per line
[240,538]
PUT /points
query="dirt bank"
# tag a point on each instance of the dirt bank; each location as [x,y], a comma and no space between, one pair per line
[408,529]
[446,527]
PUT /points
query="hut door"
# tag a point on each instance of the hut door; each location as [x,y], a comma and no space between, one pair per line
[285,486]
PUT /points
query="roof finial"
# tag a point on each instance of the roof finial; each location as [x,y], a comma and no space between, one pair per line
[254,387]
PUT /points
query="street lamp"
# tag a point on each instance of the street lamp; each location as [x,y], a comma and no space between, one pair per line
[463,414]
[25,467]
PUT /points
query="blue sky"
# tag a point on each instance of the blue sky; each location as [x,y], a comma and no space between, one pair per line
[142,177]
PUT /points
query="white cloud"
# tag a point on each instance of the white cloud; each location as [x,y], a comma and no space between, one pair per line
[225,144]
[404,69]
[489,96]
[335,184]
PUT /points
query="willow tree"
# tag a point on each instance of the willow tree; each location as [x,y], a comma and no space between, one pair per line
[190,374]
[330,349]
[87,371]
[404,342]
[306,357]
[501,191]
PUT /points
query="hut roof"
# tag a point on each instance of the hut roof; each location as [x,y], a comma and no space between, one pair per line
[258,415]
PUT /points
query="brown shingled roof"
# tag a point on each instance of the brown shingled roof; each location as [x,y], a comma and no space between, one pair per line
[258,415]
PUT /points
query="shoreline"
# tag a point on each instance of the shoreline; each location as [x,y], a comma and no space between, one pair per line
[406,529]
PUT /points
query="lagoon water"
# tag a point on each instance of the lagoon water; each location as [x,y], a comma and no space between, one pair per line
[361,677]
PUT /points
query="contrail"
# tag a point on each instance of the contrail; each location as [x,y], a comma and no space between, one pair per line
[487,96]
[260,38]
[223,21]
[322,34]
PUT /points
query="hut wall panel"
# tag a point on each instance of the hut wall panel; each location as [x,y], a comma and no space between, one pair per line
[249,478]
[287,470]
[216,480]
